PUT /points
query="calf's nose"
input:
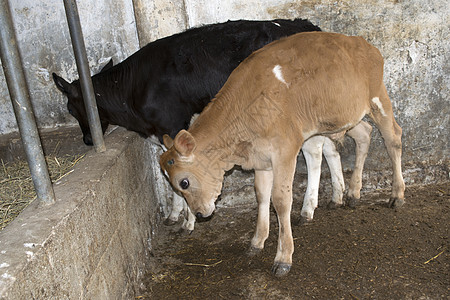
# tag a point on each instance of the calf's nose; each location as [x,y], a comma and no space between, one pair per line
[87,139]
[200,217]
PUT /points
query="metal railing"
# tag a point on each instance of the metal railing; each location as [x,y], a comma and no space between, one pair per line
[20,96]
[83,70]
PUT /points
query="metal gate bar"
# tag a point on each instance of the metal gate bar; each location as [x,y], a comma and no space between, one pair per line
[87,90]
[20,98]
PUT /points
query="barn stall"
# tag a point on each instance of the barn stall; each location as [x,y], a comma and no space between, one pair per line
[103,238]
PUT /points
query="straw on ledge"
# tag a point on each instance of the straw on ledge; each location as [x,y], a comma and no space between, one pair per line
[16,187]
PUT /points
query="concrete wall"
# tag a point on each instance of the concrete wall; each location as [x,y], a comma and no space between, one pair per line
[43,37]
[95,241]
[412,36]
[159,18]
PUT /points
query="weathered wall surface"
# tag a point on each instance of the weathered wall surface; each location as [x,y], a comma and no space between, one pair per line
[158,18]
[44,41]
[412,36]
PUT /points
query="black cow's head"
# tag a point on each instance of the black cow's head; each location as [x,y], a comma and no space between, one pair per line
[75,104]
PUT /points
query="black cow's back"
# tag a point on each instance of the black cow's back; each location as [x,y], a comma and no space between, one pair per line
[212,52]
[159,88]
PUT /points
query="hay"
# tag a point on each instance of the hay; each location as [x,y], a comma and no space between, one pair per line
[17,189]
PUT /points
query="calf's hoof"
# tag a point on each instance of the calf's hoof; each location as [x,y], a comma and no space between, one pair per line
[396,202]
[183,231]
[351,202]
[281,269]
[253,251]
[188,226]
[169,222]
[305,221]
[333,205]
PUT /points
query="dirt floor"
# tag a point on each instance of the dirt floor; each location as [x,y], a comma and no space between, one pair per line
[371,252]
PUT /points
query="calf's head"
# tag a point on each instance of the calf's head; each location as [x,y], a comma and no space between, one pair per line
[75,104]
[191,173]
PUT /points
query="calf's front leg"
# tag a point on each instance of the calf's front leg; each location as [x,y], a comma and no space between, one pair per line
[312,151]
[263,189]
[189,218]
[337,178]
[178,205]
[283,172]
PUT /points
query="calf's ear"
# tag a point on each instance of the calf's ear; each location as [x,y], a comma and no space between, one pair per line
[64,86]
[167,140]
[184,143]
[108,66]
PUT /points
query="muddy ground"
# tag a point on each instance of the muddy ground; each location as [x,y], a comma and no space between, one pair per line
[371,252]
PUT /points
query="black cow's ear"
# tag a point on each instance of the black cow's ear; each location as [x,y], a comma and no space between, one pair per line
[64,86]
[108,66]
[167,140]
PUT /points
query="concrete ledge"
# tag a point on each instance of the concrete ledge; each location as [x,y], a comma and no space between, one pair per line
[94,242]
[61,140]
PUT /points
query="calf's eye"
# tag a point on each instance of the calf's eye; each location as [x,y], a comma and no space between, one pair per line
[184,183]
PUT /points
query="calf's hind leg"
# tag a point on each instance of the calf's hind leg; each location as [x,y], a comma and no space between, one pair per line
[382,114]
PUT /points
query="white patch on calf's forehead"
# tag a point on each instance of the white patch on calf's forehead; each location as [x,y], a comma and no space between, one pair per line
[279,74]
[377,101]
[276,24]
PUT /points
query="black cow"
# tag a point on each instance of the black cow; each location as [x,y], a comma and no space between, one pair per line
[157,89]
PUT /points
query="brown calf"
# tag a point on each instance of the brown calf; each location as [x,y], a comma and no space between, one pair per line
[304,85]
